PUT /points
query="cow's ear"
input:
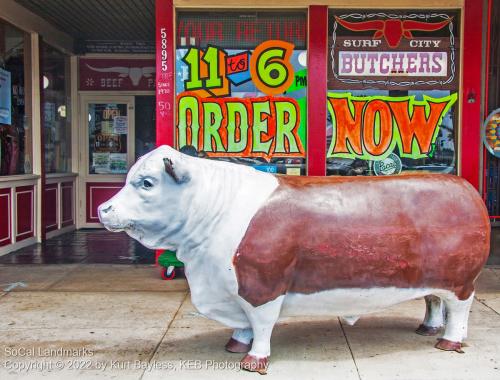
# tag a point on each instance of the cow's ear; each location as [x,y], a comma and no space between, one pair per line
[179,176]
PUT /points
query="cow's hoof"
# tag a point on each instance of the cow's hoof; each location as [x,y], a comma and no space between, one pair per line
[237,347]
[427,330]
[448,345]
[254,364]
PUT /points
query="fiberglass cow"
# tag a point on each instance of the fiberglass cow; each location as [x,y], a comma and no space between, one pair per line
[257,246]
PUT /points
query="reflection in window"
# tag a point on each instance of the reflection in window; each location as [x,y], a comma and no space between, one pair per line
[392,92]
[15,123]
[56,107]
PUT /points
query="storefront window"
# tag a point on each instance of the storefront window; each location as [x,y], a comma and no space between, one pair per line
[241,87]
[392,92]
[15,124]
[56,109]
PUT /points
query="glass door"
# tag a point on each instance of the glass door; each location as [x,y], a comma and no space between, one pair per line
[109,147]
[109,151]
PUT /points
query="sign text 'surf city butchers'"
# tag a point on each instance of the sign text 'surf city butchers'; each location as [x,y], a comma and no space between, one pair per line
[396,51]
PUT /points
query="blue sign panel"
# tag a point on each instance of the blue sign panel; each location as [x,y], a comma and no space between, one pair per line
[266,168]
[5,97]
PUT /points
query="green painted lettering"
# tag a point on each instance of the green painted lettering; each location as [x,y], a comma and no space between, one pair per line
[237,127]
[286,123]
[261,116]
[212,119]
[188,118]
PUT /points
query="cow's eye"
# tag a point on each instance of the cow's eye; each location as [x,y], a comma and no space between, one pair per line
[147,184]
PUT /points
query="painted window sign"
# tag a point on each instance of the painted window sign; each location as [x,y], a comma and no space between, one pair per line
[240,31]
[370,127]
[258,127]
[393,84]
[244,98]
[397,51]
[386,63]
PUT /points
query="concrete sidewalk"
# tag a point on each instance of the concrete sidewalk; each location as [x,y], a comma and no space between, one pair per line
[124,322]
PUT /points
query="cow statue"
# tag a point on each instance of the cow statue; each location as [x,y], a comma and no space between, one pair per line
[258,246]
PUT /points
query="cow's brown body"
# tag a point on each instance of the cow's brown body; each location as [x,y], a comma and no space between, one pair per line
[322,233]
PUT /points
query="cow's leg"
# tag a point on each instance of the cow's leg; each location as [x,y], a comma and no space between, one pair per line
[241,341]
[262,318]
[434,319]
[457,318]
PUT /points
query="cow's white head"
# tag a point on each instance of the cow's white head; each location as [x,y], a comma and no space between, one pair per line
[153,205]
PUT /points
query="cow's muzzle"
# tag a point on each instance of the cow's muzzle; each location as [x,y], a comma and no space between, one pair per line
[103,211]
[107,217]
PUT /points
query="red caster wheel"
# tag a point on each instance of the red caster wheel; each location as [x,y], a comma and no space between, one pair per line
[168,273]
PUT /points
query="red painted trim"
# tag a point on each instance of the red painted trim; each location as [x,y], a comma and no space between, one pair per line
[158,253]
[5,217]
[65,188]
[21,211]
[316,89]
[51,207]
[165,76]
[486,97]
[471,73]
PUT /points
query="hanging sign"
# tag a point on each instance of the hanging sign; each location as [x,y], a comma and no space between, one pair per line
[117,74]
[396,51]
[491,133]
[5,97]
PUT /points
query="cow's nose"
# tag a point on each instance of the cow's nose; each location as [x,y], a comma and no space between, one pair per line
[105,209]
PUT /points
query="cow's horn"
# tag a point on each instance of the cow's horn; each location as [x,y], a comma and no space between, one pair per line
[169,168]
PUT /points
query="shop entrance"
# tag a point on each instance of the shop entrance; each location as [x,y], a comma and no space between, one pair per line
[112,140]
